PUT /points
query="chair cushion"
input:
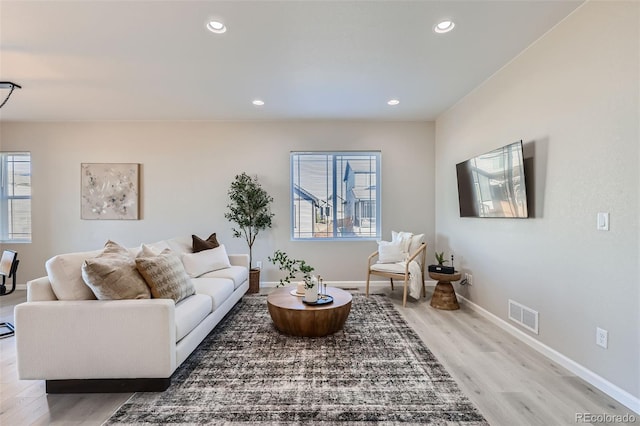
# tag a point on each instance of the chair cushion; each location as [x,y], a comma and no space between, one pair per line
[205,261]
[190,312]
[238,274]
[395,268]
[112,275]
[218,289]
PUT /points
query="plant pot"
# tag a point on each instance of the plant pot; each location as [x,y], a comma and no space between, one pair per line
[254,280]
[311,294]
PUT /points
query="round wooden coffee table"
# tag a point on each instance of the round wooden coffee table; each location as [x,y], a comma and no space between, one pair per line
[444,296]
[293,317]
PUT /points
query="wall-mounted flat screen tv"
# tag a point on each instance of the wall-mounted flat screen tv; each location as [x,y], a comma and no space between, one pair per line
[493,184]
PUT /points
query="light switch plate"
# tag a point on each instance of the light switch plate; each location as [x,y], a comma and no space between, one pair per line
[603,222]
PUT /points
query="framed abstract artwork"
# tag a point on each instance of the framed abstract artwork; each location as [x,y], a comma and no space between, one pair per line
[110,191]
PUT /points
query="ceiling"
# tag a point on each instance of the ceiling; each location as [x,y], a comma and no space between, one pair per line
[155,60]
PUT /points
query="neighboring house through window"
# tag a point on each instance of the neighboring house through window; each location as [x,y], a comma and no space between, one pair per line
[335,195]
[15,197]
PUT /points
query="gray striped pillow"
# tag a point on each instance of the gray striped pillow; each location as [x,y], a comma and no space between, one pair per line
[165,276]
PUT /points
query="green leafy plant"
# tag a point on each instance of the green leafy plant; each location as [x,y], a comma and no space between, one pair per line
[440,258]
[292,267]
[249,208]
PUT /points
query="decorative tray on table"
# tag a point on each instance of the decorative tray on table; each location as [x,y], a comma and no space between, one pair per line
[322,300]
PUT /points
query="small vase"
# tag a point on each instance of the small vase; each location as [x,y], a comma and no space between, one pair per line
[311,294]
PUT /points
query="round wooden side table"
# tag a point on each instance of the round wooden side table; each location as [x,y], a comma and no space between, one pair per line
[291,316]
[444,296]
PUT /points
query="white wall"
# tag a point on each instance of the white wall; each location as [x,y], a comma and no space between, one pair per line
[573,97]
[185,174]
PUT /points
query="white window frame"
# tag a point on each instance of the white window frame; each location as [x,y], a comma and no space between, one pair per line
[322,203]
[7,195]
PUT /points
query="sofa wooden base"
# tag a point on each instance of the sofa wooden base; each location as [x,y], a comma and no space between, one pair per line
[107,385]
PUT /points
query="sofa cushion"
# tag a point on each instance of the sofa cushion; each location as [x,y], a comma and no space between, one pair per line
[165,276]
[112,275]
[156,248]
[198,244]
[219,289]
[205,261]
[190,312]
[180,245]
[65,274]
[238,274]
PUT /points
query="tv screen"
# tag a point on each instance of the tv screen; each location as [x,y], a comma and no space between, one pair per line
[493,184]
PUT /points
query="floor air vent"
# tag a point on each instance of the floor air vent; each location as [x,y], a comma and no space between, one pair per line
[526,317]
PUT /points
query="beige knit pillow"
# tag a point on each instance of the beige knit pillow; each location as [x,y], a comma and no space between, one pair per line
[112,275]
[165,276]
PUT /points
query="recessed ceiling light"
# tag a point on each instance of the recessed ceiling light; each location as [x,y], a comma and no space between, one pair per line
[444,26]
[258,102]
[216,27]
[393,102]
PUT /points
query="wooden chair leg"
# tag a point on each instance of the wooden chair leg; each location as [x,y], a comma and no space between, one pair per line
[391,279]
[367,288]
[404,297]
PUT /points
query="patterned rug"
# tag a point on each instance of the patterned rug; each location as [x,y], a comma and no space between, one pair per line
[375,371]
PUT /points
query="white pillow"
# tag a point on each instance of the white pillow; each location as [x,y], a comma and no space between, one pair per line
[389,252]
[146,250]
[204,261]
[65,275]
[416,241]
[402,238]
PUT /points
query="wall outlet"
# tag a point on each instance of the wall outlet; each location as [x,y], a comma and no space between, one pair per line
[602,337]
[259,264]
[469,278]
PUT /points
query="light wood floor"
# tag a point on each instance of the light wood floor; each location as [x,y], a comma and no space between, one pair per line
[510,383]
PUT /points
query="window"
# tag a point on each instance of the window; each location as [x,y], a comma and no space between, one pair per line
[15,197]
[335,195]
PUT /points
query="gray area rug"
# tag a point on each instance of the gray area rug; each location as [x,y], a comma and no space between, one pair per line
[375,371]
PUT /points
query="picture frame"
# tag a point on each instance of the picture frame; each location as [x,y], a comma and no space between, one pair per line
[110,191]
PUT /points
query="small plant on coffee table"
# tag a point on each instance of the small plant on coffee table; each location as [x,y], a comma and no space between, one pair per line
[440,258]
[292,267]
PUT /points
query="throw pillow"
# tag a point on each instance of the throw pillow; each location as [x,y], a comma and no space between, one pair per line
[112,275]
[389,252]
[165,276]
[416,241]
[402,238]
[205,261]
[65,274]
[199,244]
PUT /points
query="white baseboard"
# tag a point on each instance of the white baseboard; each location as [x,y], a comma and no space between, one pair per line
[581,371]
[347,284]
[338,284]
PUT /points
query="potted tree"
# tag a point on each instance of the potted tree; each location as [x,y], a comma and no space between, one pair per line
[249,209]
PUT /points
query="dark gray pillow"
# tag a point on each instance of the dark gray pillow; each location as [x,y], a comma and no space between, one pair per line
[199,244]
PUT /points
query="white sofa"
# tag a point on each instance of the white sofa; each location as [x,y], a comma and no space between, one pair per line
[117,345]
